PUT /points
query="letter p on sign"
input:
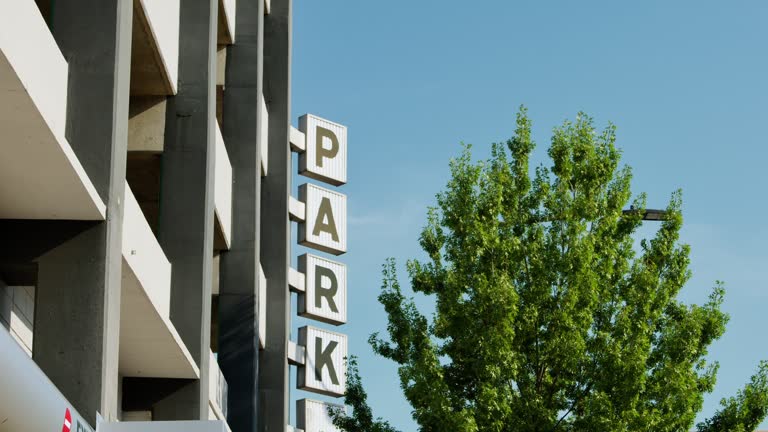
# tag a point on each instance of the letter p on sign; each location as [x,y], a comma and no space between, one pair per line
[325,158]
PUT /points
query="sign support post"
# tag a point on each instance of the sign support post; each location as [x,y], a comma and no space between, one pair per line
[321,284]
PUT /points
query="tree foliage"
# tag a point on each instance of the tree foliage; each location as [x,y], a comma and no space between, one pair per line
[743,412]
[547,317]
[362,416]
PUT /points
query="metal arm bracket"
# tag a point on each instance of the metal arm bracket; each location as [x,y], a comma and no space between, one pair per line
[296,280]
[297,210]
[297,354]
[298,140]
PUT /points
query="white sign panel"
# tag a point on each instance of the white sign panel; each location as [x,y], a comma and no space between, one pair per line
[325,225]
[312,416]
[325,369]
[28,399]
[325,157]
[164,426]
[325,290]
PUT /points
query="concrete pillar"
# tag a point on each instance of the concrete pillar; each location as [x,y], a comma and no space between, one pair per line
[185,228]
[77,320]
[275,226]
[239,269]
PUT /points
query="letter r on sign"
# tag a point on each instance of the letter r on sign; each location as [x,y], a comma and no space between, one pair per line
[325,289]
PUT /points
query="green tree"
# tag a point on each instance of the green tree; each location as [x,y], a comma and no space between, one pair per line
[356,397]
[547,318]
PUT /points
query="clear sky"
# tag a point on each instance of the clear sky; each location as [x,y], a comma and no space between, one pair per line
[686,83]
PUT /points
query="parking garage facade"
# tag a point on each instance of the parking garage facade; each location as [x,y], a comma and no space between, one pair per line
[145,211]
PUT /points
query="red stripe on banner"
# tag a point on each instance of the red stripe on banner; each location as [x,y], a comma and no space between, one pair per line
[67,422]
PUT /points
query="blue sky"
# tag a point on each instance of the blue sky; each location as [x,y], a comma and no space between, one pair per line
[685,82]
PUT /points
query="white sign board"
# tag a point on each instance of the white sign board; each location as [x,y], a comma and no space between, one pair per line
[28,399]
[165,426]
[325,157]
[325,224]
[312,416]
[324,370]
[325,290]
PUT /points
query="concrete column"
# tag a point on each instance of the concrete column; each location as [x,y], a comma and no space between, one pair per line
[77,320]
[275,226]
[239,269]
[185,227]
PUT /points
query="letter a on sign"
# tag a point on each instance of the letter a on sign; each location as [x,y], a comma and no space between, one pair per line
[325,158]
[325,227]
[324,370]
[325,296]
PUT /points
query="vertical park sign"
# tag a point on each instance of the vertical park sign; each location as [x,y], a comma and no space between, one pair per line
[321,282]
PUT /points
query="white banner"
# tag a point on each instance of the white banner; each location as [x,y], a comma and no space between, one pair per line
[29,401]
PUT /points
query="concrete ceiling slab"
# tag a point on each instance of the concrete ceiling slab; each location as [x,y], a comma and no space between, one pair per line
[155,47]
[222,184]
[226,27]
[150,346]
[33,95]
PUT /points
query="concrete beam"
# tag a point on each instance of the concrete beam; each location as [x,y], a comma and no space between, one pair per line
[275,226]
[185,227]
[79,282]
[146,126]
[239,283]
